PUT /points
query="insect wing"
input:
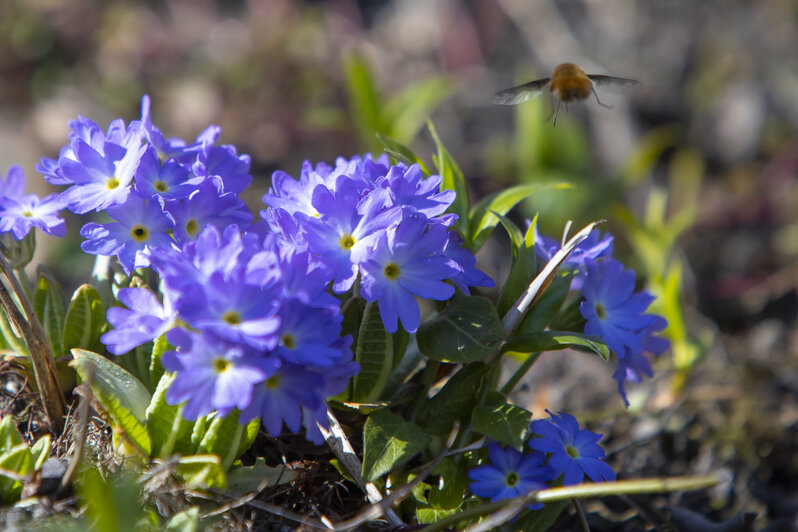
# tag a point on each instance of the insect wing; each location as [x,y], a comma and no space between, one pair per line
[520,93]
[611,83]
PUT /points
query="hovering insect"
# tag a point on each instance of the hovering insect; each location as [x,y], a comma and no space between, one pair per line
[567,83]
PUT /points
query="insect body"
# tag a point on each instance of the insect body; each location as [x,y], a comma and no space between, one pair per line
[567,83]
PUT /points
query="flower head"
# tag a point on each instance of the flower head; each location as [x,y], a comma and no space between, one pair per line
[510,474]
[593,247]
[572,452]
[634,367]
[144,320]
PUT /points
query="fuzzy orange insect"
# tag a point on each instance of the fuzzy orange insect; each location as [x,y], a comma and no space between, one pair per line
[567,83]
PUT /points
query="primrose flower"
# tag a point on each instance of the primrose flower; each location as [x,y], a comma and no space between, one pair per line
[634,367]
[211,373]
[144,320]
[280,398]
[171,181]
[141,226]
[613,312]
[407,261]
[572,452]
[594,247]
[223,162]
[206,205]
[19,212]
[510,474]
[407,189]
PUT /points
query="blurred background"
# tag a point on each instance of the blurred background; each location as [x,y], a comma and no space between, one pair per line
[695,169]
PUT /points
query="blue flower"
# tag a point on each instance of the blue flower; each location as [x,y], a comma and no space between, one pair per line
[572,452]
[407,189]
[282,396]
[171,181]
[141,226]
[346,229]
[634,367]
[593,247]
[613,312]
[407,261]
[211,374]
[100,173]
[144,320]
[471,275]
[223,162]
[19,212]
[292,195]
[510,474]
[310,335]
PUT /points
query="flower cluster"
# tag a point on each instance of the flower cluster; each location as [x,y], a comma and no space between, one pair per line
[160,193]
[559,448]
[613,310]
[248,308]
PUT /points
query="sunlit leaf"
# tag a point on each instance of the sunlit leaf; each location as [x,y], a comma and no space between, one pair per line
[389,441]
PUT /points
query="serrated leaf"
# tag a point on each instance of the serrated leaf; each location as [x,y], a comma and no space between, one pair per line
[84,320]
[503,422]
[169,431]
[482,220]
[468,330]
[555,340]
[185,521]
[389,441]
[244,479]
[455,400]
[453,179]
[374,353]
[122,395]
[48,304]
[401,153]
[202,471]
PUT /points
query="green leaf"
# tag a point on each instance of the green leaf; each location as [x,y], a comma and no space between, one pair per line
[388,442]
[48,304]
[111,506]
[84,320]
[19,460]
[40,451]
[245,479]
[223,438]
[248,437]
[9,435]
[121,394]
[159,347]
[364,102]
[202,471]
[555,340]
[427,516]
[468,330]
[449,491]
[374,353]
[168,430]
[9,339]
[522,269]
[503,422]
[542,312]
[453,179]
[483,220]
[541,519]
[185,521]
[455,401]
[401,153]
[407,111]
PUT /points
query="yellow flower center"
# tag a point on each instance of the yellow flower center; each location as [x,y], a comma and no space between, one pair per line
[140,233]
[221,365]
[161,186]
[273,382]
[288,341]
[192,227]
[392,271]
[347,241]
[232,317]
[112,183]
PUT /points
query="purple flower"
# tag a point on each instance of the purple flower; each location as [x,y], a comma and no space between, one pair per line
[146,320]
[171,181]
[100,174]
[13,186]
[407,261]
[613,312]
[407,189]
[19,212]
[175,148]
[346,229]
[294,195]
[509,474]
[471,275]
[223,162]
[310,335]
[211,374]
[634,367]
[593,247]
[282,396]
[141,226]
[572,451]
[206,205]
